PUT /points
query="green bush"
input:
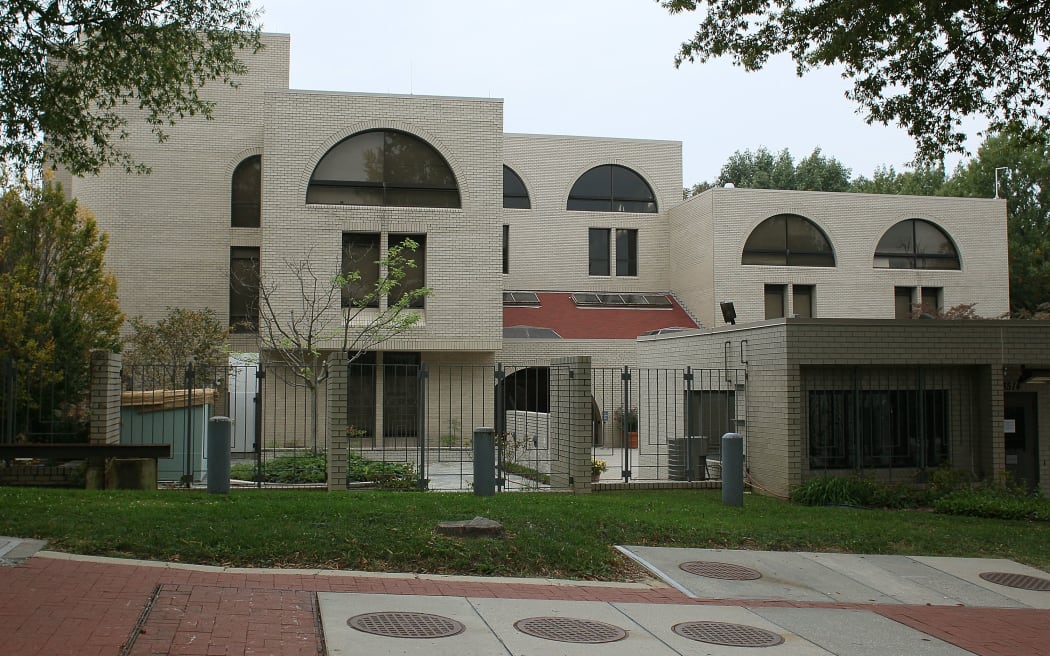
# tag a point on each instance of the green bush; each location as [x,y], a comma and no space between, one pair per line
[993,502]
[856,491]
[387,475]
[835,491]
[306,468]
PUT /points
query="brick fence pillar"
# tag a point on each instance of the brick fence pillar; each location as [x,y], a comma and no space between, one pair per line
[336,404]
[570,424]
[105,397]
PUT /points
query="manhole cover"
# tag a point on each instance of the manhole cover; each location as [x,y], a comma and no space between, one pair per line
[714,570]
[568,629]
[1022,581]
[394,624]
[732,635]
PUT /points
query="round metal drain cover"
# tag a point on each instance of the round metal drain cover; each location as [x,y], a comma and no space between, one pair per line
[724,633]
[569,629]
[395,624]
[1022,581]
[715,570]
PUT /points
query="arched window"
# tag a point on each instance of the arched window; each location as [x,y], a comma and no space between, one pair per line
[611,188]
[916,244]
[788,240]
[246,193]
[515,195]
[383,167]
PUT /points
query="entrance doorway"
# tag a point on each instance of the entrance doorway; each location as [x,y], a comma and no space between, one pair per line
[1020,428]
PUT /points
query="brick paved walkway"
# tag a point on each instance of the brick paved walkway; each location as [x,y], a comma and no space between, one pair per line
[55,606]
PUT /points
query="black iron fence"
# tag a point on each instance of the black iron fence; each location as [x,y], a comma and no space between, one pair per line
[892,420]
[41,407]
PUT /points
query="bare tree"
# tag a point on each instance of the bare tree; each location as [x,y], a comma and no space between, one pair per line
[359,311]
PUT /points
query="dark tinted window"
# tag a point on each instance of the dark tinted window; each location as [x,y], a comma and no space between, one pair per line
[611,188]
[916,244]
[383,167]
[515,195]
[361,255]
[246,193]
[416,274]
[244,289]
[788,240]
[598,251]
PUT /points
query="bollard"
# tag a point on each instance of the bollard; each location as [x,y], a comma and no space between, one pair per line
[732,469]
[219,429]
[484,462]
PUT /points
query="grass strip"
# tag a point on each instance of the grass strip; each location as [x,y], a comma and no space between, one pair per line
[547,535]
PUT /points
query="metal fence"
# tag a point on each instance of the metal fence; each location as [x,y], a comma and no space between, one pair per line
[41,407]
[647,424]
[889,420]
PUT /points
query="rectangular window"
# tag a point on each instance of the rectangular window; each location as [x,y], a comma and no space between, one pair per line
[877,428]
[361,263]
[361,396]
[506,248]
[626,252]
[415,270]
[802,301]
[598,251]
[244,289]
[932,300]
[902,302]
[401,394]
[775,296]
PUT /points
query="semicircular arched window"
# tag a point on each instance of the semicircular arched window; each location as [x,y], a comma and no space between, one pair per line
[246,193]
[383,167]
[515,195]
[611,188]
[788,240]
[916,244]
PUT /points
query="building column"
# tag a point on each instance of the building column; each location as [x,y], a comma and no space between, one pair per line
[104,397]
[336,405]
[570,424]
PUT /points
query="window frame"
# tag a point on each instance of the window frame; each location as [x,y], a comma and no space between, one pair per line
[753,255]
[626,252]
[597,265]
[913,258]
[246,291]
[579,200]
[388,190]
[246,193]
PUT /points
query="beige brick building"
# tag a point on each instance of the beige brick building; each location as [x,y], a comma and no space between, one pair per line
[539,247]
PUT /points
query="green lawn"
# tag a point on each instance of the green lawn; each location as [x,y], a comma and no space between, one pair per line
[549,535]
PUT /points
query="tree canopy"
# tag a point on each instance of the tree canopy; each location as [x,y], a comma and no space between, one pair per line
[925,66]
[762,169]
[57,302]
[70,67]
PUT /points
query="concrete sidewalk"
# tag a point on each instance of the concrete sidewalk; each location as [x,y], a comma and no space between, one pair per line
[56,604]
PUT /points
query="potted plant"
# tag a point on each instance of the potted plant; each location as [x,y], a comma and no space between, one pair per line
[628,420]
[597,467]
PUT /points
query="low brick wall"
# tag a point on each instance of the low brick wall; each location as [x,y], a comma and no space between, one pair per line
[42,476]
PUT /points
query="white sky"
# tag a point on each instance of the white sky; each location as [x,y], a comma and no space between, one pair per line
[581,67]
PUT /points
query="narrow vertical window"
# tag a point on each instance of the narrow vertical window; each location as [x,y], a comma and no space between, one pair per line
[598,251]
[506,248]
[932,300]
[246,193]
[802,301]
[626,252]
[902,297]
[416,275]
[775,296]
[244,289]
[361,267]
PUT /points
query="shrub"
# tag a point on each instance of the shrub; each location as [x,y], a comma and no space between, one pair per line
[856,491]
[835,491]
[992,502]
[308,468]
[387,475]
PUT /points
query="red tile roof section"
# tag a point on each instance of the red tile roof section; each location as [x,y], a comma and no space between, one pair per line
[558,312]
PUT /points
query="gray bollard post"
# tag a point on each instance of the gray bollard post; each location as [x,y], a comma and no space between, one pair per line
[484,462]
[732,469]
[219,429]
